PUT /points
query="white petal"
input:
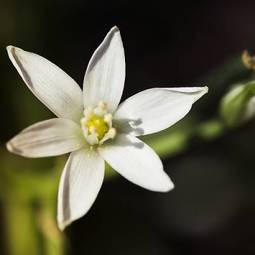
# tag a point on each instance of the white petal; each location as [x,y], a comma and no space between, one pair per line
[52,86]
[105,75]
[153,110]
[80,183]
[137,162]
[47,138]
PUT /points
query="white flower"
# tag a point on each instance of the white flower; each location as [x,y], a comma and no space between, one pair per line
[93,127]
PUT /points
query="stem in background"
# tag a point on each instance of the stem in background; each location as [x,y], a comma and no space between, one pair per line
[32,229]
[54,240]
[22,234]
[172,143]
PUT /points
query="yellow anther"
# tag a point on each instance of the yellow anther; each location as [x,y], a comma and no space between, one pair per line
[92,129]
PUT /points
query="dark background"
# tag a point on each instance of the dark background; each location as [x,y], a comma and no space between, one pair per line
[167,43]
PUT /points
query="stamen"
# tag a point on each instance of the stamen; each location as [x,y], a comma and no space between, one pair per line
[88,112]
[102,105]
[108,117]
[101,108]
[99,111]
[109,135]
[97,124]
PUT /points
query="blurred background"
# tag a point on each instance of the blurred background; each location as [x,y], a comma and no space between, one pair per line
[167,43]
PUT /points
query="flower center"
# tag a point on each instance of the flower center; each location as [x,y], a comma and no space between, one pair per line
[97,124]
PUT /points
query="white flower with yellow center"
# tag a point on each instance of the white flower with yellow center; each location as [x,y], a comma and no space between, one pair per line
[93,127]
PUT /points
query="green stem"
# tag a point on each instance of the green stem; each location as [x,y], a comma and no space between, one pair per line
[54,240]
[22,234]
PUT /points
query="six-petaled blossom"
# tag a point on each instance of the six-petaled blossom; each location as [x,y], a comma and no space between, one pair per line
[93,127]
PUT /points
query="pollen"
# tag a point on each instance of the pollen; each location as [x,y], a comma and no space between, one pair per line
[97,124]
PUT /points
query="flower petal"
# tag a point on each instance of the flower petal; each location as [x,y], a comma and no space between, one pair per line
[52,86]
[153,110]
[105,74]
[137,162]
[80,183]
[47,138]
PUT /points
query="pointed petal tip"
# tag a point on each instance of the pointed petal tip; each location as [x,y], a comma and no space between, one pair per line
[62,225]
[113,32]
[201,92]
[9,146]
[171,186]
[205,89]
[114,29]
[167,186]
[11,49]
[12,149]
[163,186]
[13,53]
